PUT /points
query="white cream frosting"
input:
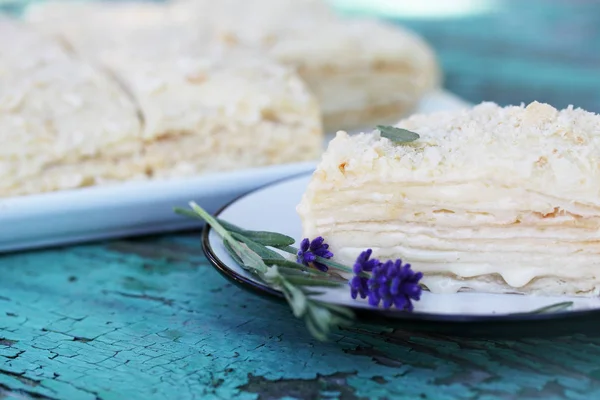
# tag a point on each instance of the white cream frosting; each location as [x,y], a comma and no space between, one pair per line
[512,191]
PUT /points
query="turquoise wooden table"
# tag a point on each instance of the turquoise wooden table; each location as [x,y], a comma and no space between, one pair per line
[148,318]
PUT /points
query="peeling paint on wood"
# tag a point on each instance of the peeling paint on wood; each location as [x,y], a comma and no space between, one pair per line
[187,332]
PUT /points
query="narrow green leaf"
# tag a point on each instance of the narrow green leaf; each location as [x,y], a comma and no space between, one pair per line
[310,292]
[344,312]
[265,238]
[338,321]
[333,264]
[231,227]
[294,265]
[288,249]
[202,213]
[296,299]
[232,253]
[285,263]
[306,281]
[397,135]
[552,308]
[314,330]
[288,272]
[258,248]
[269,238]
[321,317]
[187,213]
[250,260]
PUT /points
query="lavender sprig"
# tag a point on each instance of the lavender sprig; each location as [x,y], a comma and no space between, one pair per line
[292,279]
[296,279]
[390,283]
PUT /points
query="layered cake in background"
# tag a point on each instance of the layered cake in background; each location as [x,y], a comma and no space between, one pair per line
[489,199]
[362,71]
[70,122]
[102,92]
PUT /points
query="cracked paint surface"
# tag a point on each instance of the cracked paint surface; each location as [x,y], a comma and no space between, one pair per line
[150,319]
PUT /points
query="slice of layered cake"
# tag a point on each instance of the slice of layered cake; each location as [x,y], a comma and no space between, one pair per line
[202,111]
[361,71]
[489,199]
[69,119]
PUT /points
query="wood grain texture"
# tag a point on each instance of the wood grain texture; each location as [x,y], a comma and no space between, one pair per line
[150,319]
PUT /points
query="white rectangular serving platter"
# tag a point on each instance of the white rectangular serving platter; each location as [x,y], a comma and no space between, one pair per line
[139,208]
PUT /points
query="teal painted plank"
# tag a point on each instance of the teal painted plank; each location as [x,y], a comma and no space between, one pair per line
[542,50]
[75,327]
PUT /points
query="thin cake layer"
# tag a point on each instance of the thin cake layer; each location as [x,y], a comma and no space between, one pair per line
[489,199]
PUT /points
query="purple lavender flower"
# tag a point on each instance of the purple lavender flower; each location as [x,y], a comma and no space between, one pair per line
[390,283]
[394,284]
[309,251]
[359,286]
[364,263]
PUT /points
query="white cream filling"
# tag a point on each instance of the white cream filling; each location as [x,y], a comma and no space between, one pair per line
[517,234]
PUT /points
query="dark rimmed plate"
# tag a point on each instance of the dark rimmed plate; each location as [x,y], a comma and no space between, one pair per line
[273,208]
